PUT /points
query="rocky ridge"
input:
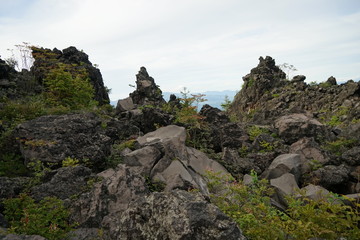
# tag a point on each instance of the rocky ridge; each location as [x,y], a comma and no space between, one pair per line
[138,175]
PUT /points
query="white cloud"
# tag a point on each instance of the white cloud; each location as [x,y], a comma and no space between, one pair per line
[203,44]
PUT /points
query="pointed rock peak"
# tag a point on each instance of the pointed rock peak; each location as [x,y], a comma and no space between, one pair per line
[143,74]
[147,92]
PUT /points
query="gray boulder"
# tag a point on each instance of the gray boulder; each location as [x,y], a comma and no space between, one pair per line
[284,185]
[147,92]
[293,127]
[285,163]
[310,153]
[11,187]
[125,104]
[117,188]
[314,192]
[352,156]
[333,178]
[173,163]
[172,215]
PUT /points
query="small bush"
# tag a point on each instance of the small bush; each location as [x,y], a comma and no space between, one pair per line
[11,165]
[255,131]
[48,218]
[250,207]
[340,145]
[70,90]
[70,162]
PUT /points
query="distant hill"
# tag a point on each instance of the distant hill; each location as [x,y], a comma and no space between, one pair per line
[214,98]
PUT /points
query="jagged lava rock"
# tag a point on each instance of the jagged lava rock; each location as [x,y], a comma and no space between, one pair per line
[65,183]
[172,215]
[267,95]
[73,57]
[170,161]
[293,127]
[147,92]
[261,79]
[52,138]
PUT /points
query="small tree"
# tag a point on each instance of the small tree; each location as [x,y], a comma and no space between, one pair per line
[287,68]
[226,104]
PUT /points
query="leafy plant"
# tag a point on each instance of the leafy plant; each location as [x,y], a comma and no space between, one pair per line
[340,145]
[70,162]
[67,89]
[255,131]
[250,207]
[266,146]
[315,164]
[48,218]
[11,165]
[154,185]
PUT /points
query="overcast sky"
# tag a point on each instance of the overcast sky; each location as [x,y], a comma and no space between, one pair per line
[200,44]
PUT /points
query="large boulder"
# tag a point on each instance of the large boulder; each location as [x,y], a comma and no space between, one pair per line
[172,215]
[333,178]
[285,163]
[260,80]
[113,192]
[173,163]
[311,154]
[11,187]
[66,182]
[51,139]
[284,185]
[293,127]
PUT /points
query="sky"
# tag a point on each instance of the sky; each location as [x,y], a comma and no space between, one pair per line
[203,45]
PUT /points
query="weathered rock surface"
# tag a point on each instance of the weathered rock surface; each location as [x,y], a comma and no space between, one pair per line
[65,183]
[11,187]
[296,126]
[50,139]
[21,237]
[147,92]
[170,161]
[113,193]
[310,153]
[333,178]
[285,163]
[172,215]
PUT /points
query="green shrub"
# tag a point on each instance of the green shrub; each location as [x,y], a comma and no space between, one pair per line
[71,90]
[11,165]
[48,218]
[70,162]
[250,207]
[255,131]
[14,112]
[226,104]
[340,145]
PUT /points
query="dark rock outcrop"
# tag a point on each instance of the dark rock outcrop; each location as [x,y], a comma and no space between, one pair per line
[267,95]
[147,92]
[46,59]
[66,183]
[50,139]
